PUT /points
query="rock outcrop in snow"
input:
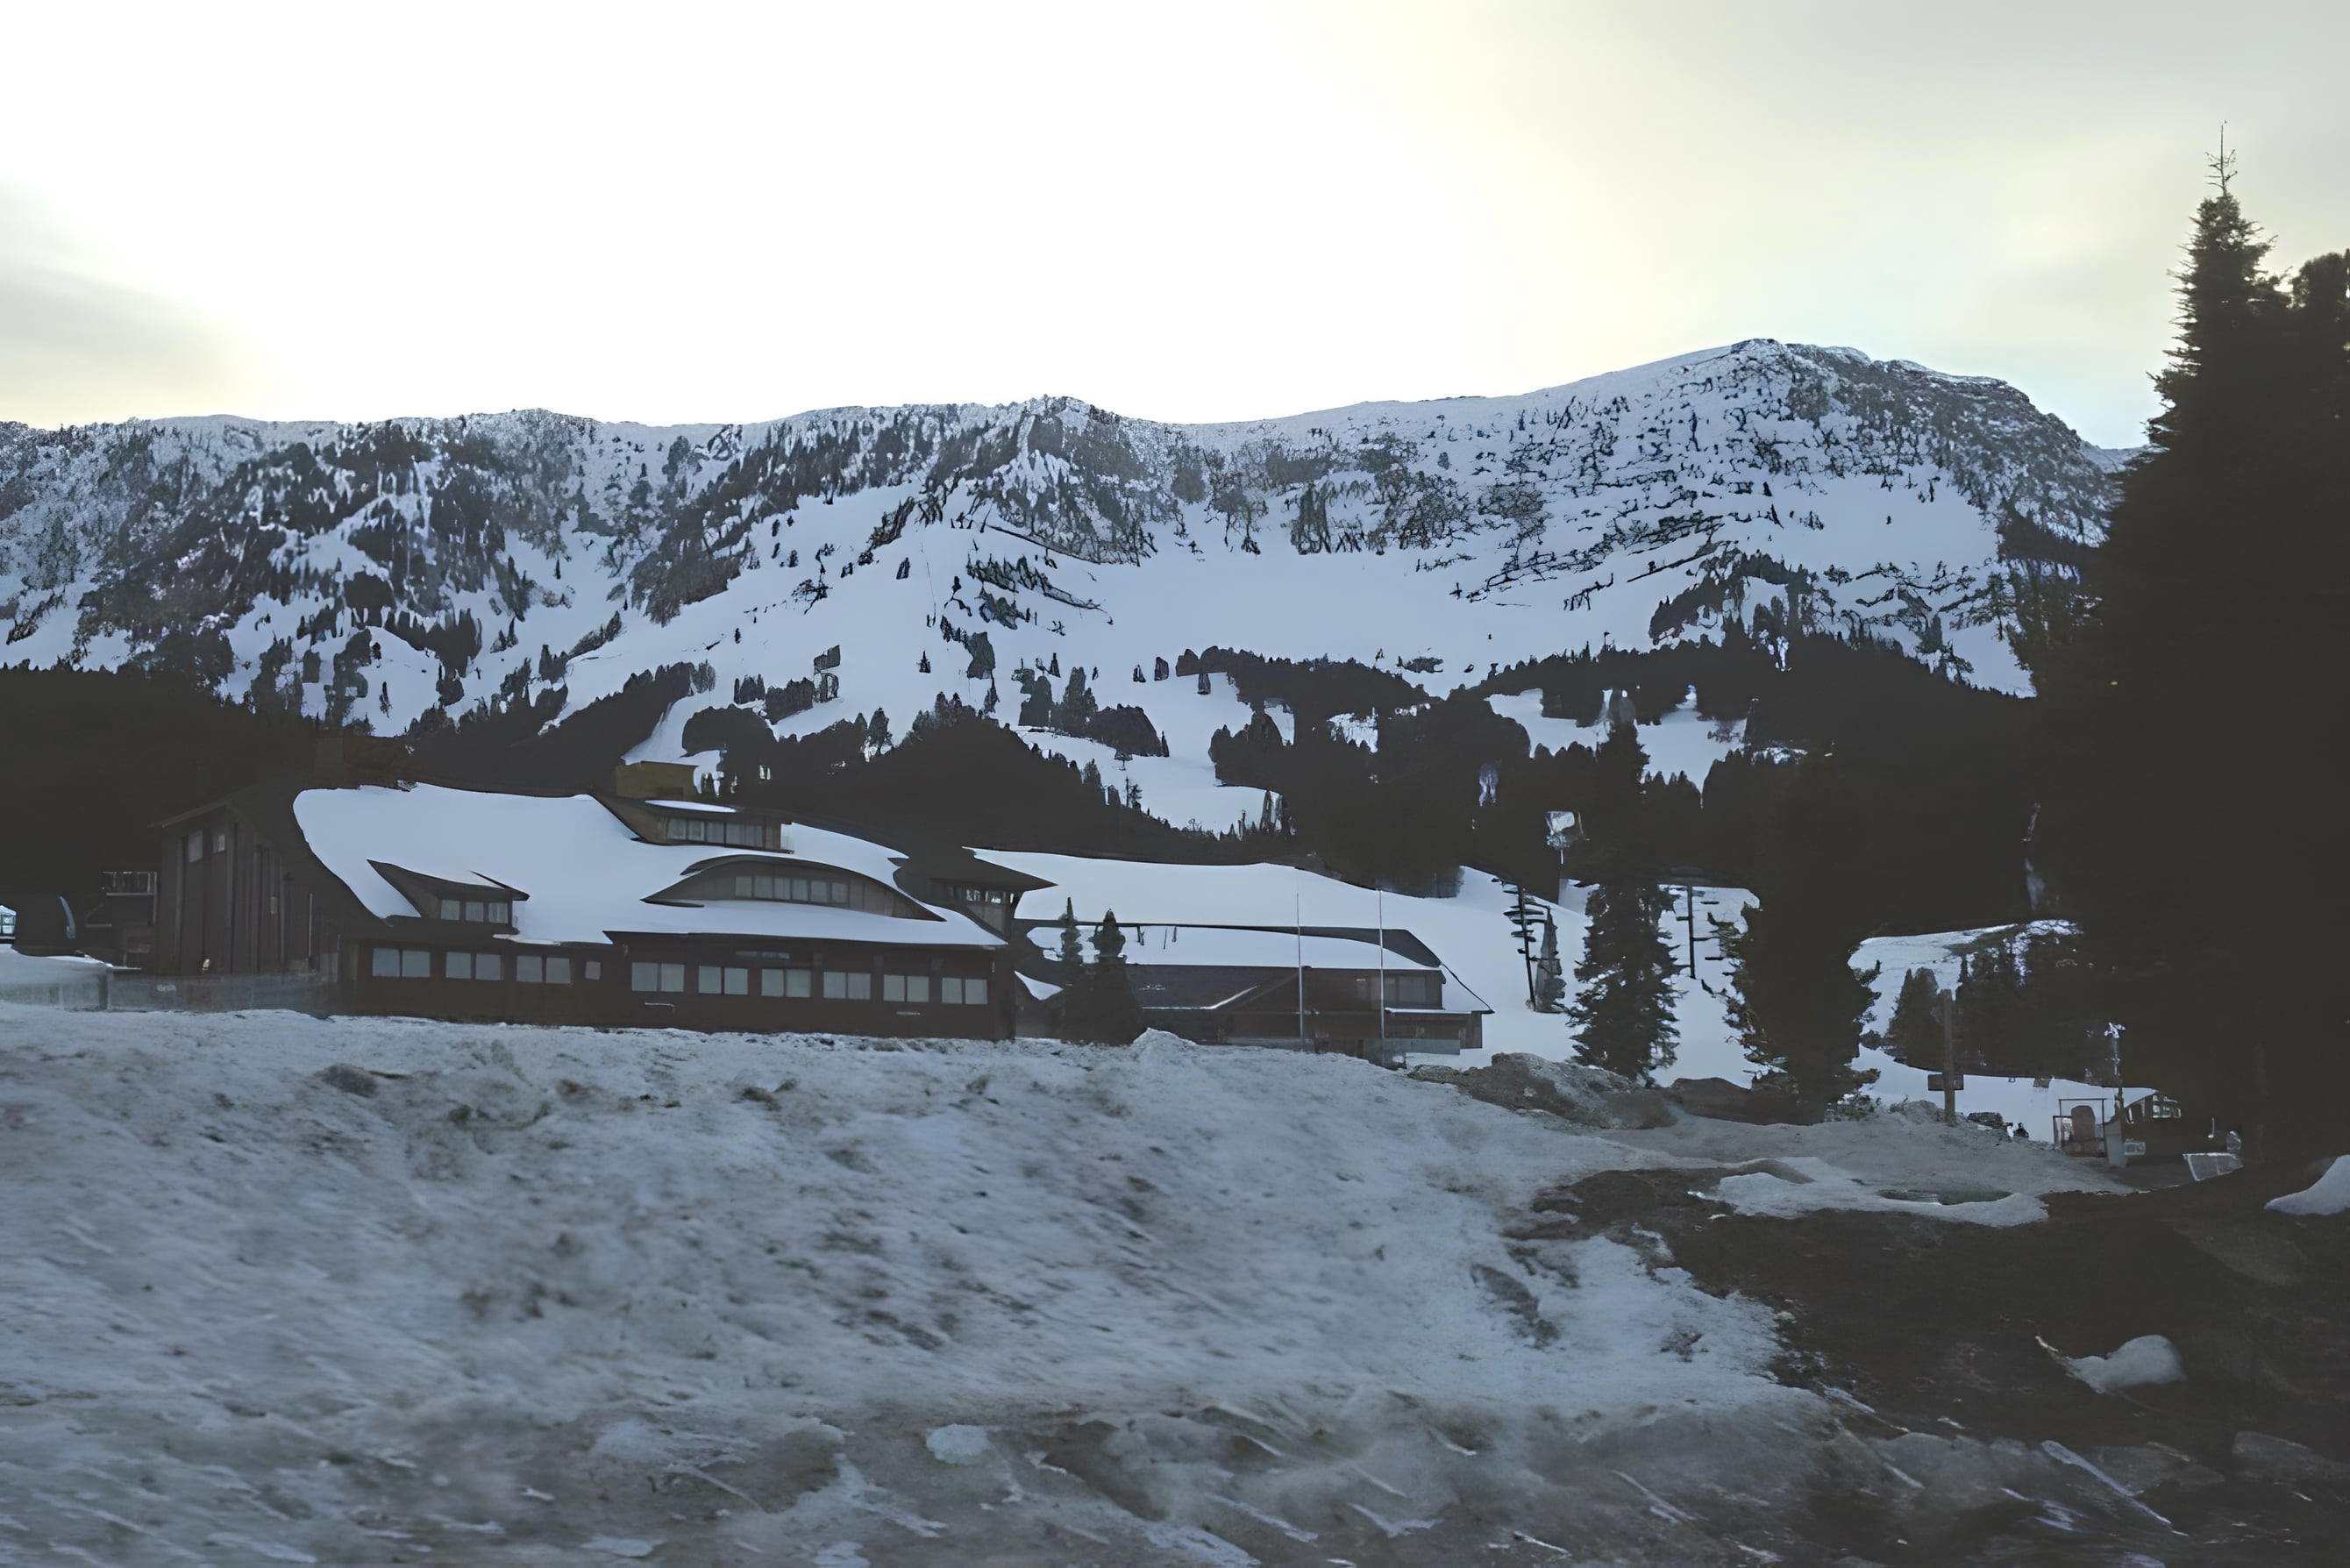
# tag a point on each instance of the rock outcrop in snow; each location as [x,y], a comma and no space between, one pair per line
[384,570]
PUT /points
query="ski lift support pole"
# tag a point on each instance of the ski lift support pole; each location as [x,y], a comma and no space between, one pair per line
[1297,913]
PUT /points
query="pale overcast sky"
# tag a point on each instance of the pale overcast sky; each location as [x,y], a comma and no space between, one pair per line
[1194,212]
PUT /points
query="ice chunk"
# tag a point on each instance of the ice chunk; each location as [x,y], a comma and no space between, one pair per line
[2149,1358]
[958,1445]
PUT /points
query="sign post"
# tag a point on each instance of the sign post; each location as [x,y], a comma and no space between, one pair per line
[1951,1060]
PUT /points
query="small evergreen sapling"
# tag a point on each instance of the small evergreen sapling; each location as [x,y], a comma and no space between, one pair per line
[1116,1016]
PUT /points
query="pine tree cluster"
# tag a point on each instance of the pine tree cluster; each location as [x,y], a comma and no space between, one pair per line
[1096,1002]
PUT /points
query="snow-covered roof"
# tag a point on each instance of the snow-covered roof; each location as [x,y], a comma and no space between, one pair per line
[586,873]
[1259,895]
[1227,946]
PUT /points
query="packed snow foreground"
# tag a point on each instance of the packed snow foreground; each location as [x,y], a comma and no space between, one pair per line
[288,1289]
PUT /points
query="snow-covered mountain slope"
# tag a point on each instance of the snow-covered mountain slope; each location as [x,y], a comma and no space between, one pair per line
[382,570]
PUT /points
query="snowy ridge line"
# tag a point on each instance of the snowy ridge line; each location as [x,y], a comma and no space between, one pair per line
[274,560]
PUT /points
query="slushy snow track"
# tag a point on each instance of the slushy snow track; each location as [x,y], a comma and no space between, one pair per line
[286,1290]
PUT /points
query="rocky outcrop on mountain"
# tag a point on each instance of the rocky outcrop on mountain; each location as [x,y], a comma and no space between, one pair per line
[394,569]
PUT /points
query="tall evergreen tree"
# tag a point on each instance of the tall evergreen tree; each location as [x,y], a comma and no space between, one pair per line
[1992,1034]
[1795,1003]
[2201,866]
[1915,1036]
[1615,839]
[1078,704]
[1076,980]
[1623,1011]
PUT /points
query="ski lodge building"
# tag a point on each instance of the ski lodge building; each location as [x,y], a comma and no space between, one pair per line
[1355,992]
[645,906]
[639,908]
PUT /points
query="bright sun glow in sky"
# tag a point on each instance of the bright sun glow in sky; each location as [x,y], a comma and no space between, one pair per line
[1195,212]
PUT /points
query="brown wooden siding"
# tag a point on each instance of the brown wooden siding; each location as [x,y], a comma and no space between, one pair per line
[234,909]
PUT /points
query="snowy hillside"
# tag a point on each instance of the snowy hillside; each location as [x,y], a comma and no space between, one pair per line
[382,571]
[376,1291]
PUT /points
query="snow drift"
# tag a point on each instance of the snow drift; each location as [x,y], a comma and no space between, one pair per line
[293,1290]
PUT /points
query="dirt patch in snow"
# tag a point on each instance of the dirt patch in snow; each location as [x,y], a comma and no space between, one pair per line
[1931,1334]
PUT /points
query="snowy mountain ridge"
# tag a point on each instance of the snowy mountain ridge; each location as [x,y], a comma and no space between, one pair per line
[382,570]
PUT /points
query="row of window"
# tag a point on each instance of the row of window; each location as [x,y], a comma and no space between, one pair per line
[491,911]
[838,985]
[716,830]
[709,979]
[792,890]
[1407,989]
[529,968]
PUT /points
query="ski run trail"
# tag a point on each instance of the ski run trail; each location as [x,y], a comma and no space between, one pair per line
[284,1290]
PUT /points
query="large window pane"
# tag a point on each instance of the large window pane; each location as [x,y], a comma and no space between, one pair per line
[644,977]
[452,909]
[673,977]
[796,982]
[860,987]
[477,910]
[558,972]
[893,988]
[766,887]
[917,988]
[415,963]
[951,990]
[459,966]
[799,890]
[530,969]
[708,981]
[489,966]
[974,992]
[738,982]
[770,982]
[501,914]
[743,888]
[384,963]
[835,984]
